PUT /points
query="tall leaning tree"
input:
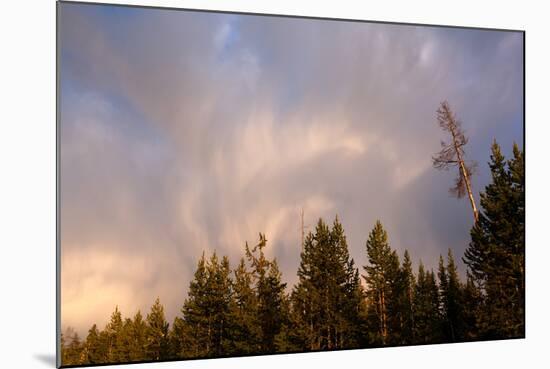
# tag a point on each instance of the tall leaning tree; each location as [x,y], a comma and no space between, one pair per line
[452,155]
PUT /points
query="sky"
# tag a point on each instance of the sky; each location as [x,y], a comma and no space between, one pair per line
[183,132]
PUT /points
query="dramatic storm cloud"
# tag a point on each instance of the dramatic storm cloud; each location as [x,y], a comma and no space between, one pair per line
[183,132]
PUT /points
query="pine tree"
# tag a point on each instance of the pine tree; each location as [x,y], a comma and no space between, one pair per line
[382,281]
[156,337]
[407,283]
[112,337]
[125,340]
[472,299]
[495,256]
[220,288]
[245,324]
[273,309]
[95,353]
[284,338]
[435,326]
[305,296]
[452,310]
[349,299]
[303,301]
[427,328]
[327,305]
[105,345]
[196,337]
[393,301]
[137,339]
[175,339]
[207,310]
[517,248]
[270,293]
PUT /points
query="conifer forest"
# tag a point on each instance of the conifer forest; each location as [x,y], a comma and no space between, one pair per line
[340,303]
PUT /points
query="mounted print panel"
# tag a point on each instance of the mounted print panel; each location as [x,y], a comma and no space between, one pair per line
[240,184]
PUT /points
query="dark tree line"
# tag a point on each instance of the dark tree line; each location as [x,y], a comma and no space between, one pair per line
[247,310]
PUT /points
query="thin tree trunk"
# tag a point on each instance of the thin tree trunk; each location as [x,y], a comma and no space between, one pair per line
[464,173]
[468,188]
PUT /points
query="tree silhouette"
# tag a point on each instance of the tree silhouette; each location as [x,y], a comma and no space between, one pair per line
[452,155]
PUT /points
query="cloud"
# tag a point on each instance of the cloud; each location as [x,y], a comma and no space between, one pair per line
[184,132]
